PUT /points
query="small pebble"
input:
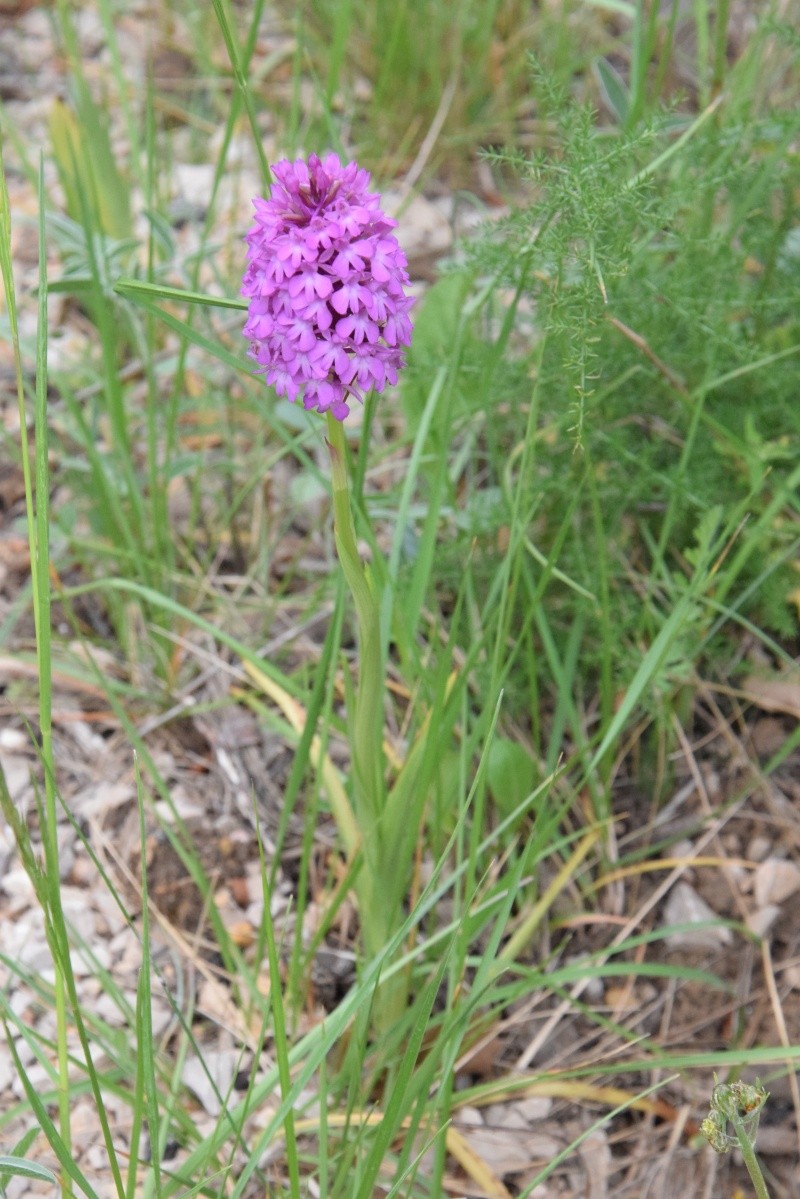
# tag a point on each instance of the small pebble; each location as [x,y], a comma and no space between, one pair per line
[684,906]
[762,920]
[775,880]
[758,848]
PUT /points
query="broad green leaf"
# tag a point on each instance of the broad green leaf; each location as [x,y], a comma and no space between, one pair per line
[511,774]
[614,90]
[20,1167]
[87,168]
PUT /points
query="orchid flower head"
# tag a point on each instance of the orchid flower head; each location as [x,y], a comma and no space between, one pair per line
[327,283]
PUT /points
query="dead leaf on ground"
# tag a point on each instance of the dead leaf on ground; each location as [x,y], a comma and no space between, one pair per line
[774,695]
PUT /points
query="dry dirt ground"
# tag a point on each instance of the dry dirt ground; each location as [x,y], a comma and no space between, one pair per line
[734,835]
[742,865]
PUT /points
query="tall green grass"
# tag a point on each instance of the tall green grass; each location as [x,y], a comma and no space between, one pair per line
[583,495]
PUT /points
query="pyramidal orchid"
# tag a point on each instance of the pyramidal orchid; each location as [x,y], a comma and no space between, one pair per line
[328,321]
[326,281]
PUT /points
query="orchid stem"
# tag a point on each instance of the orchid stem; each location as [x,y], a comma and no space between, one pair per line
[367,745]
[377,883]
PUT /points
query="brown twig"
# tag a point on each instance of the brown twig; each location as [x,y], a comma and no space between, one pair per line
[641,343]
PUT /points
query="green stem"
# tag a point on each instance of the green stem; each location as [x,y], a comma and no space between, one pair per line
[379,887]
[367,724]
[739,1104]
[749,1157]
[37,513]
[39,525]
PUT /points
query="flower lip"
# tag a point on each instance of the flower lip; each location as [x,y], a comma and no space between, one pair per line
[327,282]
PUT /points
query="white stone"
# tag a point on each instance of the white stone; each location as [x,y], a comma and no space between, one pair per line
[762,919]
[93,745]
[107,1009]
[6,1073]
[535,1107]
[18,887]
[13,739]
[504,1115]
[685,906]
[775,880]
[758,848]
[792,976]
[194,181]
[423,231]
[18,774]
[100,798]
[469,1117]
[210,1079]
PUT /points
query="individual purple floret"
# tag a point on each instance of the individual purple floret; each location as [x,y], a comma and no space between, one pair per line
[326,278]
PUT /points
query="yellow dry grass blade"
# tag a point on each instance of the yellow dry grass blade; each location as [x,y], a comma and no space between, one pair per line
[87,169]
[337,796]
[528,927]
[471,1163]
[487,1181]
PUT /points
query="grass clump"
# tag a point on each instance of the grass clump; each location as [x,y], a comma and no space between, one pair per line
[455,88]
[658,360]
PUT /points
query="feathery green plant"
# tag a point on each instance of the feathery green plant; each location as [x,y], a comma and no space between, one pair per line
[638,274]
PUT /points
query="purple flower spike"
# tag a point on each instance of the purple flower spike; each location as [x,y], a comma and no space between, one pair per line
[326,278]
